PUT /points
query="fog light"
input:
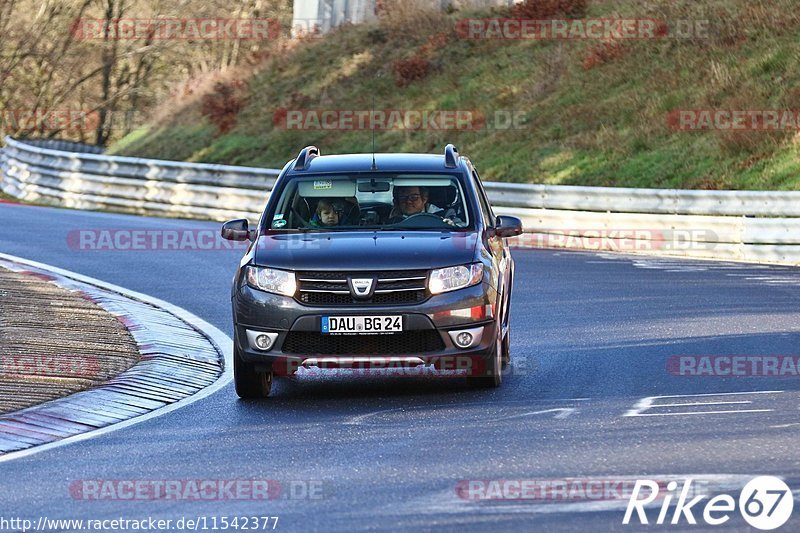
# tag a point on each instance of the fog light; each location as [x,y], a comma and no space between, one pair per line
[260,340]
[464,339]
[263,342]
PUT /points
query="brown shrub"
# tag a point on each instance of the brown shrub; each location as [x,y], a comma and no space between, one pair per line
[410,69]
[602,53]
[418,66]
[435,42]
[222,105]
[662,29]
[543,9]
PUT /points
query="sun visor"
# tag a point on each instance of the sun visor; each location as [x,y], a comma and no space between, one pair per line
[320,188]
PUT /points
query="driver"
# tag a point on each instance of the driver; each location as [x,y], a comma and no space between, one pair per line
[412,200]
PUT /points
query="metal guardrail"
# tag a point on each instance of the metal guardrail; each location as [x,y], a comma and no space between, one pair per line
[666,201]
[43,173]
[742,225]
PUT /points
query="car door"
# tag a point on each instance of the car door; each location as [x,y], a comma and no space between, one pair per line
[501,255]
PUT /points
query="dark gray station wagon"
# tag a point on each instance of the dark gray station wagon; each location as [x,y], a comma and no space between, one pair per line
[373,260]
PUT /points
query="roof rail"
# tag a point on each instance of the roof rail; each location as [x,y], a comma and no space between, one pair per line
[450,156]
[306,155]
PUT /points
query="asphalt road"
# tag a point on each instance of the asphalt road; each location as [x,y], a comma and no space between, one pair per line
[592,334]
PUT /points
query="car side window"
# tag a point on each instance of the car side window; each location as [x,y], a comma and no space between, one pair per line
[486,209]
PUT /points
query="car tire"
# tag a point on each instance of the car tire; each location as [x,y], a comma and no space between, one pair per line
[494,366]
[250,384]
[507,349]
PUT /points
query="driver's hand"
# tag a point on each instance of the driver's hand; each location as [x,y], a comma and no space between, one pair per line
[449,221]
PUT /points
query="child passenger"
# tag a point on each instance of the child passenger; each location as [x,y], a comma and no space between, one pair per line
[328,214]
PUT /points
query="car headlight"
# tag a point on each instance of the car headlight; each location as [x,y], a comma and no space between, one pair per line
[452,278]
[272,280]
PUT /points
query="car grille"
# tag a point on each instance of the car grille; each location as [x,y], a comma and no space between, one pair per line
[405,343]
[393,288]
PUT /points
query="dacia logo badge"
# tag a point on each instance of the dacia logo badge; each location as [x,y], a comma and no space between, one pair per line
[362,287]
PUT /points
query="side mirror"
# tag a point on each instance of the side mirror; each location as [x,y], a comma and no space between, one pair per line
[237,230]
[507,226]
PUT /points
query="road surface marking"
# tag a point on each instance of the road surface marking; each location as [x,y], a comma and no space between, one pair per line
[563,412]
[648,403]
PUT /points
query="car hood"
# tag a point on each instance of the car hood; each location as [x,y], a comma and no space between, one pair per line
[366,250]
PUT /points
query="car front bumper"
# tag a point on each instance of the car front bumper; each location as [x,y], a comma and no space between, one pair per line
[425,339]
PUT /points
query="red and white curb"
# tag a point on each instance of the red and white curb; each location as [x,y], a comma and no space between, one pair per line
[183,359]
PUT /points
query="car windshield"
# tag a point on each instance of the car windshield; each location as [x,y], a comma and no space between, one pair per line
[379,202]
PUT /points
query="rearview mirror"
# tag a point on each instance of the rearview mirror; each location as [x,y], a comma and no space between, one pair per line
[373,185]
[507,226]
[237,230]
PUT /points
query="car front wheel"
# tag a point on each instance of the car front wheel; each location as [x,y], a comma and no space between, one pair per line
[493,376]
[250,384]
[507,349]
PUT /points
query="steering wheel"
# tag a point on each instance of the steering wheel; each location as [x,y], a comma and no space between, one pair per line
[420,220]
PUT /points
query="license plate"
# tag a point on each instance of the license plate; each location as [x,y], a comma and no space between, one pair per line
[362,324]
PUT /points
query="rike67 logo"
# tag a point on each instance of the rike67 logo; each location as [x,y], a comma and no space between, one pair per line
[765,503]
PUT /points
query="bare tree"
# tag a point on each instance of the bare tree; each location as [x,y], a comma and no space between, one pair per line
[49,64]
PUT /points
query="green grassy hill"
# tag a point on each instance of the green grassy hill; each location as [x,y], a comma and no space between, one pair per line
[595,112]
